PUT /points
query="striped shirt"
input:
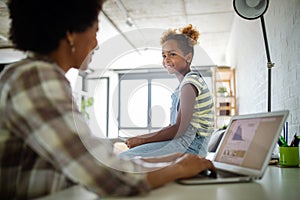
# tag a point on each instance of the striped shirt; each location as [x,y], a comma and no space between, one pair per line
[203,114]
[45,143]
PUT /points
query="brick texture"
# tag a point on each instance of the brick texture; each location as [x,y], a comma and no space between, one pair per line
[246,52]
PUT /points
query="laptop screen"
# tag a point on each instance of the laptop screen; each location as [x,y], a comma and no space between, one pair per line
[249,140]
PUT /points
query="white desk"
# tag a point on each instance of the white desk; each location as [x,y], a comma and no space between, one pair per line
[277,184]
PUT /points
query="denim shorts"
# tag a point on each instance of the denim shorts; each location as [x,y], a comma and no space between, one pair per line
[190,142]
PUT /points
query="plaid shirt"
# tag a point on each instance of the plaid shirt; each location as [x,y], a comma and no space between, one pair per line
[45,144]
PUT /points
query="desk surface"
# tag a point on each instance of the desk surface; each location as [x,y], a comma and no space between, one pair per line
[277,184]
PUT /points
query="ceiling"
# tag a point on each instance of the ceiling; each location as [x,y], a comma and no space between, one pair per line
[213,18]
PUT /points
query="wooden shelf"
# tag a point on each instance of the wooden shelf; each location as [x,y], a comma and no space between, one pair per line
[225,105]
[224,108]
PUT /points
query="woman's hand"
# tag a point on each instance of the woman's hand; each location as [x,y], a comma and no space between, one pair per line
[186,166]
[190,165]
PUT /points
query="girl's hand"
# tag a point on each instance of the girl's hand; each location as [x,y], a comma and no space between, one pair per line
[133,142]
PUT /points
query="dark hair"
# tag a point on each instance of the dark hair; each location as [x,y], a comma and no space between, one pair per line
[186,38]
[39,25]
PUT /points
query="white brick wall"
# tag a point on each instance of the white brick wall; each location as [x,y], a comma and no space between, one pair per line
[246,52]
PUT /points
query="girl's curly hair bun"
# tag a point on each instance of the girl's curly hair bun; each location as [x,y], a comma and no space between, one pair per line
[186,38]
[191,32]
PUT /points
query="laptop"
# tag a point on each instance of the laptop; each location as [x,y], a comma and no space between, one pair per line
[245,149]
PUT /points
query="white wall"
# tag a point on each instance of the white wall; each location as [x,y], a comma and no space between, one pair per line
[246,52]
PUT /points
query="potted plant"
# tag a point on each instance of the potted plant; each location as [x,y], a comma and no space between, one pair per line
[222,91]
[85,103]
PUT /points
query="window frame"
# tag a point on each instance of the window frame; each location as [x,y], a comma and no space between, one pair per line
[138,76]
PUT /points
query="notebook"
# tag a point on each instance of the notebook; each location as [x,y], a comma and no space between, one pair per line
[245,149]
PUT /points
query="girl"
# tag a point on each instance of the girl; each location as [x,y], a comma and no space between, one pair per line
[192,116]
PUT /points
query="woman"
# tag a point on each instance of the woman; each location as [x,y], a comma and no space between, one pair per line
[43,136]
[192,115]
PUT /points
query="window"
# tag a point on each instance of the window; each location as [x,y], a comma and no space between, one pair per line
[145,101]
